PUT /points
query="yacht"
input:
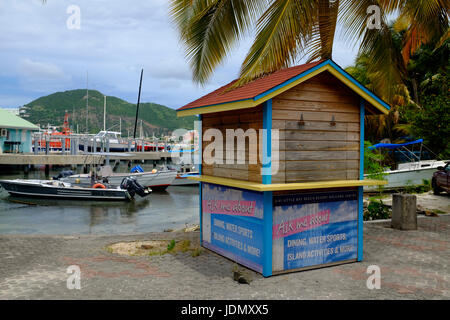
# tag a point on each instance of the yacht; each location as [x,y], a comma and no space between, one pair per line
[409,173]
[116,143]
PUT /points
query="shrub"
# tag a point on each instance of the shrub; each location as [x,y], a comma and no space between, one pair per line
[372,162]
[171,245]
[377,210]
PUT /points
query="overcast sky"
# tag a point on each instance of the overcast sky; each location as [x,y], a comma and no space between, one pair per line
[40,55]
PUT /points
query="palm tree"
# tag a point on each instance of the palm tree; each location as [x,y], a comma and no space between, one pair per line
[290,29]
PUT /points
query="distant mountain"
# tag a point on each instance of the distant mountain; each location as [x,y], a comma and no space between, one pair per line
[156,119]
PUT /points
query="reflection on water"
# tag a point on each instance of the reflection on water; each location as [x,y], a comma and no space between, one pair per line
[173,208]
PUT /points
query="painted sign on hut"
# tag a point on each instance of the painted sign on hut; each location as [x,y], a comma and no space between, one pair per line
[282,190]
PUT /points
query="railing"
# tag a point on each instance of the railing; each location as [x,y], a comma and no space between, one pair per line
[83,144]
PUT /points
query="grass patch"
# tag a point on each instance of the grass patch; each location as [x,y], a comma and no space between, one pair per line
[154,248]
[109,250]
[196,252]
[171,245]
[422,188]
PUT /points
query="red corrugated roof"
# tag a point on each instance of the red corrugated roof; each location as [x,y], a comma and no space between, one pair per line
[251,89]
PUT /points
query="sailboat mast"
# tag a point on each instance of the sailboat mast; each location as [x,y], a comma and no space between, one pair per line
[137,107]
[87,100]
[104,113]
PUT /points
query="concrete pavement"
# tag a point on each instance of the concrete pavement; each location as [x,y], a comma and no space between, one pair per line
[414,265]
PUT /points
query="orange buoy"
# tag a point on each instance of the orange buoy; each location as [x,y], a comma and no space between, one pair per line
[99,185]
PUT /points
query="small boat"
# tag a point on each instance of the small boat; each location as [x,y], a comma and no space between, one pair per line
[116,143]
[183,175]
[156,179]
[183,179]
[64,190]
[148,146]
[55,138]
[409,173]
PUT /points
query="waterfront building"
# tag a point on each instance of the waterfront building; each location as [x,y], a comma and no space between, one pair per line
[15,133]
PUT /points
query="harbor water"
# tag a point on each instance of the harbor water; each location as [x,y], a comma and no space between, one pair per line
[171,209]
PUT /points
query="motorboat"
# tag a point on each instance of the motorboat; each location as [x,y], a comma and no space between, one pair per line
[98,142]
[155,179]
[410,173]
[64,190]
[183,175]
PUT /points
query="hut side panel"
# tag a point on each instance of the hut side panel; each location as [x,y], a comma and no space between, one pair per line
[237,119]
[317,148]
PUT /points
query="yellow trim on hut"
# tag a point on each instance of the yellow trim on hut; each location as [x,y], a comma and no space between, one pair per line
[287,186]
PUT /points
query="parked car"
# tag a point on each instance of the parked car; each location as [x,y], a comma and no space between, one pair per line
[441,179]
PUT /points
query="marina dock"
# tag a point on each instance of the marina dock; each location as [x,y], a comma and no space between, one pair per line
[79,159]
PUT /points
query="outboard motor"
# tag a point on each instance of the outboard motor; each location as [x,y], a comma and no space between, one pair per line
[64,174]
[132,186]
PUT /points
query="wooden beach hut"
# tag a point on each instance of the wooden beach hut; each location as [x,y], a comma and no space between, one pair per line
[299,206]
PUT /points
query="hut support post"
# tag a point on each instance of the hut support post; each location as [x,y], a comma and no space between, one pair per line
[267,143]
[267,231]
[199,163]
[361,177]
[267,195]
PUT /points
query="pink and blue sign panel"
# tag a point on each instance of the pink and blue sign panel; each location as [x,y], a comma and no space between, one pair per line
[311,229]
[232,224]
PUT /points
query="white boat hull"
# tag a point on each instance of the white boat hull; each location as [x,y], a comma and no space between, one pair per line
[409,175]
[158,180]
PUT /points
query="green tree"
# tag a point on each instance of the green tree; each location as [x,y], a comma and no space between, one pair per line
[288,29]
[424,67]
[431,121]
[373,162]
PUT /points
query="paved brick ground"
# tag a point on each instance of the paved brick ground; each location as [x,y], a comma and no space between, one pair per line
[414,265]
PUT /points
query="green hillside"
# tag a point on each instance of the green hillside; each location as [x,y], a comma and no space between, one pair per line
[156,118]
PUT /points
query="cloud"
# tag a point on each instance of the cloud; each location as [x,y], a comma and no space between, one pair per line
[116,39]
[38,70]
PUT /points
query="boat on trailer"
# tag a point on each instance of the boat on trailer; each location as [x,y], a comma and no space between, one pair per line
[409,173]
[64,190]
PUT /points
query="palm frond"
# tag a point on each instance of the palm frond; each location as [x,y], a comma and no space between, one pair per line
[328,13]
[385,64]
[404,128]
[282,32]
[428,20]
[181,12]
[209,29]
[443,39]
